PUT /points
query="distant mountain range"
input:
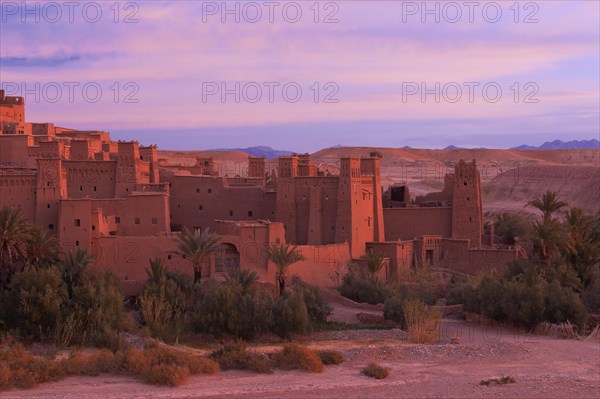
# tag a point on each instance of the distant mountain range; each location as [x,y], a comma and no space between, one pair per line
[271,153]
[259,151]
[561,145]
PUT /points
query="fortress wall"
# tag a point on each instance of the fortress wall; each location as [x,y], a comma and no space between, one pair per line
[325,264]
[408,223]
[196,201]
[13,150]
[456,255]
[90,179]
[17,190]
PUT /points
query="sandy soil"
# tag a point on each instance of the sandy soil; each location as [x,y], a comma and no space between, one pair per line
[543,368]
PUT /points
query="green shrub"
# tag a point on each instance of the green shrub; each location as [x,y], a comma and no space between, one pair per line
[226,309]
[236,356]
[96,311]
[296,357]
[330,357]
[35,302]
[164,304]
[393,309]
[316,306]
[360,287]
[290,315]
[562,304]
[374,370]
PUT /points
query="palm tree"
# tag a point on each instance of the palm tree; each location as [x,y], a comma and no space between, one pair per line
[73,265]
[42,247]
[157,272]
[374,263]
[548,203]
[14,230]
[196,246]
[549,236]
[283,255]
[242,277]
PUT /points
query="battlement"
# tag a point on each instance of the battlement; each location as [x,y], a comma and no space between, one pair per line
[10,100]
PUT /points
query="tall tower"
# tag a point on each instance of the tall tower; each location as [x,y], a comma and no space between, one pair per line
[286,196]
[51,188]
[467,209]
[128,159]
[348,219]
[256,167]
[371,167]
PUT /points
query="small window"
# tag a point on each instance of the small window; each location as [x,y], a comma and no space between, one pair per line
[137,220]
[154,220]
[178,206]
[77,222]
[117,219]
[50,227]
[93,227]
[249,213]
[94,188]
[77,243]
[197,191]
[210,190]
[48,206]
[80,188]
[200,207]
[169,257]
[230,213]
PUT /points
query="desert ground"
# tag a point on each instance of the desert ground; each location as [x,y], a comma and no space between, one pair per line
[542,367]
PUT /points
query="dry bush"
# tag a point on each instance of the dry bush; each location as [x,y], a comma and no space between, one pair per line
[498,381]
[595,335]
[330,357]
[235,356]
[373,370]
[23,370]
[296,357]
[95,363]
[157,365]
[422,321]
[562,330]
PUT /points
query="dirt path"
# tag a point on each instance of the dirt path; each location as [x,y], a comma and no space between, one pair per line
[543,368]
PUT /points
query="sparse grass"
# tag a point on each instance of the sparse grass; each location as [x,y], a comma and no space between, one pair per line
[498,381]
[157,365]
[594,335]
[330,357]
[296,357]
[422,321]
[236,356]
[562,330]
[338,326]
[373,370]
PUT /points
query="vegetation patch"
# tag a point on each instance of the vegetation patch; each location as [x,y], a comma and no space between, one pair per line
[158,365]
[422,321]
[330,357]
[236,356]
[498,381]
[296,357]
[373,370]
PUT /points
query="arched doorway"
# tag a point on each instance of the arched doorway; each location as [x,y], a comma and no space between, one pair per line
[227,257]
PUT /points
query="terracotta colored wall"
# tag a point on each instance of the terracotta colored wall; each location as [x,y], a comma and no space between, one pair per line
[457,255]
[192,204]
[91,179]
[13,149]
[17,190]
[325,264]
[408,223]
